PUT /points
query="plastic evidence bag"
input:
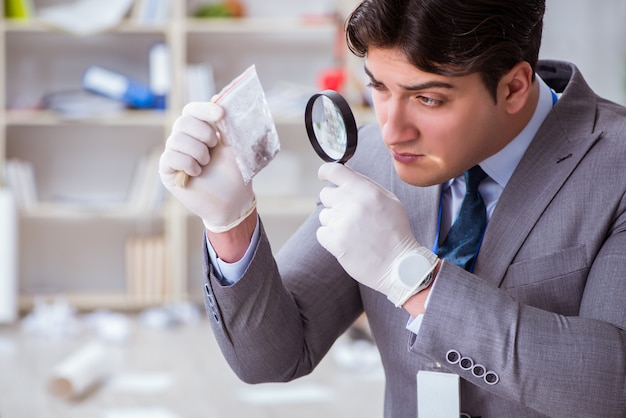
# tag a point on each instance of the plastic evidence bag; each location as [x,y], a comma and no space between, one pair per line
[248,126]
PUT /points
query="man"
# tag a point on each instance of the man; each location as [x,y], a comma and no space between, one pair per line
[533,321]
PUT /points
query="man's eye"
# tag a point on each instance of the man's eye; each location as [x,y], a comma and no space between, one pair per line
[375,86]
[429,101]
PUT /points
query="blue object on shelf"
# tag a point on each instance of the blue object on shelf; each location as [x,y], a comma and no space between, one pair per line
[118,86]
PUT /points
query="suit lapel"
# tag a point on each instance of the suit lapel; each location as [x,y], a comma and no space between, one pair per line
[561,143]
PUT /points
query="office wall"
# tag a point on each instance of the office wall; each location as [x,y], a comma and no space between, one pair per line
[592,34]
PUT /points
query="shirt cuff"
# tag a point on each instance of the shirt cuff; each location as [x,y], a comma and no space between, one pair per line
[414,324]
[231,273]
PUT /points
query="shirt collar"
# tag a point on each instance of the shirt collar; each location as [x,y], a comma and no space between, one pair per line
[501,165]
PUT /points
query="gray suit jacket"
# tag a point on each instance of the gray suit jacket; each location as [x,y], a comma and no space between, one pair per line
[544,310]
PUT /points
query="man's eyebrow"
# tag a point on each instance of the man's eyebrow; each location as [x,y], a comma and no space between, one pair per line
[369,73]
[422,86]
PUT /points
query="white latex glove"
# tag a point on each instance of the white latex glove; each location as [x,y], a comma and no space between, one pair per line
[366,228]
[216,191]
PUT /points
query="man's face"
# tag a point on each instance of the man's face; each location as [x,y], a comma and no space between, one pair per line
[435,127]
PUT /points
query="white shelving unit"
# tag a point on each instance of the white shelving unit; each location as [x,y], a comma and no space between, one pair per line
[73,240]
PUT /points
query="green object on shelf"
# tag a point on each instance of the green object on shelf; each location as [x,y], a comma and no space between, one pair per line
[223,9]
[17,9]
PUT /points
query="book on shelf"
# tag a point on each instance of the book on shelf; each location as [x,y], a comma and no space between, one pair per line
[85,17]
[199,83]
[20,178]
[160,73]
[134,93]
[151,11]
[146,190]
[146,269]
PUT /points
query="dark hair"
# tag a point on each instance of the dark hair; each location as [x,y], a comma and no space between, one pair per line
[452,37]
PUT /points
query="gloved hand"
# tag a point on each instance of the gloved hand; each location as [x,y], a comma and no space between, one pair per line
[366,228]
[216,191]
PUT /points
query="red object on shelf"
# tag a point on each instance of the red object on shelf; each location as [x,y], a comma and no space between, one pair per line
[332,79]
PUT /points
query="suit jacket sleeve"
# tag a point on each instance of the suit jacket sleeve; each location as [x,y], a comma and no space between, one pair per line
[276,325]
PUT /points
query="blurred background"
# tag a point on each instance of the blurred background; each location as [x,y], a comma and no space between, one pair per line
[100,271]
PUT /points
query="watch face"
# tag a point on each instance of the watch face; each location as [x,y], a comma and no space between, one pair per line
[412,269]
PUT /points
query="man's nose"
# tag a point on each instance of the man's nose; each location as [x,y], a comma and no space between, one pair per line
[398,126]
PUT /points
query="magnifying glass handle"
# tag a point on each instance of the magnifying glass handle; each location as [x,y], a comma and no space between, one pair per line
[181,179]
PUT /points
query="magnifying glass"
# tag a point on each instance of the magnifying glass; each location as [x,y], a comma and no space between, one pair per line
[330,126]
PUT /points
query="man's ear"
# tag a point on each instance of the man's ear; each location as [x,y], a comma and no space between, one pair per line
[515,87]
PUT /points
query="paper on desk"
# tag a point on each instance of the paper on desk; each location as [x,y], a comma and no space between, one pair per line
[277,394]
[86,17]
[141,382]
[138,413]
[81,371]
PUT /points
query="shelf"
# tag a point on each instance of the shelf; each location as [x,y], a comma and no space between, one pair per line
[311,25]
[260,25]
[91,301]
[285,206]
[140,118]
[76,212]
[287,120]
[362,115]
[277,206]
[38,26]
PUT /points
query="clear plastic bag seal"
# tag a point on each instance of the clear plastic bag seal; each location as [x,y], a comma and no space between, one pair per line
[248,126]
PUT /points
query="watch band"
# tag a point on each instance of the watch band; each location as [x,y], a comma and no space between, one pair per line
[401,292]
[426,281]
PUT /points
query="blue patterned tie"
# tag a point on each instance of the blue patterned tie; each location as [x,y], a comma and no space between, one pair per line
[461,244]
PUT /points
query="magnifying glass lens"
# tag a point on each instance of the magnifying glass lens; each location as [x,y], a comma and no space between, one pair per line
[331,126]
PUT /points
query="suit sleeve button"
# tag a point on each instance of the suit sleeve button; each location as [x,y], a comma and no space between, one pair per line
[453,356]
[491,378]
[479,371]
[466,363]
